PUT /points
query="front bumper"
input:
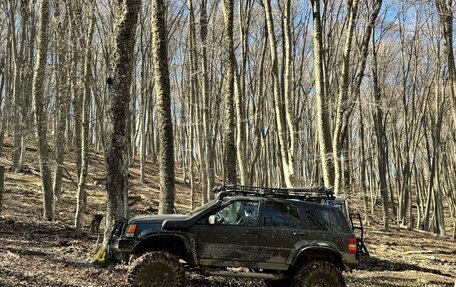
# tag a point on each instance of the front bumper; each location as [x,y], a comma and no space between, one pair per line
[121,248]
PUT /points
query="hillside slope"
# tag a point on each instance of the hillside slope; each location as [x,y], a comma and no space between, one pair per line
[39,253]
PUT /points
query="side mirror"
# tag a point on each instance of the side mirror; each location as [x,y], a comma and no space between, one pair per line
[212,220]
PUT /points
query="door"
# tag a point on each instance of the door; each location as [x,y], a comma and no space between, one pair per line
[282,229]
[232,240]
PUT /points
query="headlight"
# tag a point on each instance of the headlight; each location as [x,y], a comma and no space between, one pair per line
[130,230]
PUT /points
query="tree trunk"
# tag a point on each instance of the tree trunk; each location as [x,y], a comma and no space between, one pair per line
[144,99]
[381,142]
[323,118]
[342,99]
[41,113]
[445,9]
[207,119]
[2,186]
[61,104]
[279,112]
[230,170]
[19,88]
[126,17]
[163,93]
[2,85]
[288,89]
[86,100]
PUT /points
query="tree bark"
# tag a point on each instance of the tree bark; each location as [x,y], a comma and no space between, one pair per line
[343,95]
[164,119]
[19,87]
[229,163]
[278,103]
[445,10]
[2,187]
[288,89]
[323,118]
[126,18]
[61,104]
[41,113]
[381,142]
[207,119]
[86,99]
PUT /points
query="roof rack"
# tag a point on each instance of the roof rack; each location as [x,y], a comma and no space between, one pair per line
[314,194]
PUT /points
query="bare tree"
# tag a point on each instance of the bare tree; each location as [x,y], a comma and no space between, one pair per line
[445,9]
[323,119]
[162,90]
[81,196]
[230,171]
[126,18]
[41,113]
[62,98]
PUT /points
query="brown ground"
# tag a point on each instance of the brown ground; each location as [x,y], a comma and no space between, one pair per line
[38,253]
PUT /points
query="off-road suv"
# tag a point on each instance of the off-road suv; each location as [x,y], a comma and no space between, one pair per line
[287,237]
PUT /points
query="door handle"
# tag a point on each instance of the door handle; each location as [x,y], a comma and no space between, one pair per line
[299,233]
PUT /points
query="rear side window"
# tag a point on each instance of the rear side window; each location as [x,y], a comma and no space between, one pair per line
[321,218]
[280,214]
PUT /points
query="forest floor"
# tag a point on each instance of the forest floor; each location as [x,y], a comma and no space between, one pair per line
[34,252]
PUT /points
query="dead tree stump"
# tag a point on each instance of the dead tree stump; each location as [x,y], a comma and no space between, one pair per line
[95,224]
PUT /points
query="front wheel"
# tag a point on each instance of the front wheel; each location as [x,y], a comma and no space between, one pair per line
[156,269]
[319,274]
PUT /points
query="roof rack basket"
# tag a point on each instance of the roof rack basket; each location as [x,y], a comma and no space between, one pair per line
[315,194]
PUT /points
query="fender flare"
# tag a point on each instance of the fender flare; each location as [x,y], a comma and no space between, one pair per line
[188,242]
[317,251]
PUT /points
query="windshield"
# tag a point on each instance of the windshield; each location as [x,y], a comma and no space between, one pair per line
[202,207]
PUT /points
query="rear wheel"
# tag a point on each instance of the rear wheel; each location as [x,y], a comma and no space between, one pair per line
[319,274]
[278,283]
[156,269]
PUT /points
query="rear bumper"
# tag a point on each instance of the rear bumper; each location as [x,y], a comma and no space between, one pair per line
[350,261]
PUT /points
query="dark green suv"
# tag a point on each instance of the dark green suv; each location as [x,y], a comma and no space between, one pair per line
[287,237]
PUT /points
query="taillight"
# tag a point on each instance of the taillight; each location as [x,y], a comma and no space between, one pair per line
[130,230]
[352,245]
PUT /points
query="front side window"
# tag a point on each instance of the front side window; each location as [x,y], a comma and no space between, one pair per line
[239,213]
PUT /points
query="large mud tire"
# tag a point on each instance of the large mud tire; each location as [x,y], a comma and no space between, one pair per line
[156,269]
[278,283]
[319,274]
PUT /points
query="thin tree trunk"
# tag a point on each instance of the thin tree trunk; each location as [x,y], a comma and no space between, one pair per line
[193,95]
[86,100]
[279,112]
[207,120]
[144,98]
[381,142]
[288,89]
[18,90]
[342,99]
[323,118]
[63,93]
[41,113]
[2,85]
[2,184]
[445,9]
